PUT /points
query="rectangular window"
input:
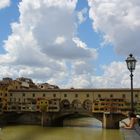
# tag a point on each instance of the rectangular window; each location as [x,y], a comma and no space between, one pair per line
[123,96]
[50,102]
[65,95]
[43,95]
[11,94]
[111,95]
[99,95]
[54,95]
[87,95]
[136,95]
[76,95]
[23,94]
[33,95]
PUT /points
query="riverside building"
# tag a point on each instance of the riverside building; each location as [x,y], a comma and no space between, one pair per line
[55,100]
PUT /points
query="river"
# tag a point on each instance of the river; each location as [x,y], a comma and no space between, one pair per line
[91,131]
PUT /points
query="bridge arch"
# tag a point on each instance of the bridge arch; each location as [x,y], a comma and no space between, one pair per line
[61,118]
[87,105]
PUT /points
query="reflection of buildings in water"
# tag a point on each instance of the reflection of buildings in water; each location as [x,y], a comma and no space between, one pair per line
[111,134]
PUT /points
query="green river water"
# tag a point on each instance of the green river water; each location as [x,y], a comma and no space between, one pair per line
[91,131]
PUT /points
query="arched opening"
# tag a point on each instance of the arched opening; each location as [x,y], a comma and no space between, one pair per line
[76,104]
[82,122]
[65,104]
[87,105]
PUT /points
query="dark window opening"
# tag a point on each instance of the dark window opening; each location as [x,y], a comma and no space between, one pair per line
[111,95]
[123,95]
[99,95]
[76,95]
[87,95]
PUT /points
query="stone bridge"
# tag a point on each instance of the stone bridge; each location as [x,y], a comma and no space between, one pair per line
[110,120]
[106,105]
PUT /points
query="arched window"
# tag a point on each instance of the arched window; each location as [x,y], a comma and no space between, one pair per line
[65,104]
[76,104]
[87,104]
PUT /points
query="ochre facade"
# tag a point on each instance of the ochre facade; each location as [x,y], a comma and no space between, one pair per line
[55,100]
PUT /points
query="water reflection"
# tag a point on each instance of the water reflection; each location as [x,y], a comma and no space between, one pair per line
[29,132]
[111,135]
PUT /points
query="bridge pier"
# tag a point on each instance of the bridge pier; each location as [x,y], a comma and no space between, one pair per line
[50,119]
[111,120]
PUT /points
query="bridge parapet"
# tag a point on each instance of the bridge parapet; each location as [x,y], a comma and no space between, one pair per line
[80,111]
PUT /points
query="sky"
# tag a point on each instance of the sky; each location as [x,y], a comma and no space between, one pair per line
[70,43]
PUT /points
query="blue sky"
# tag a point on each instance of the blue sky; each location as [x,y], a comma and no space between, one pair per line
[7,15]
[70,43]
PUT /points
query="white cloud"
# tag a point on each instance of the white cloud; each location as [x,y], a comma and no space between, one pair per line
[44,41]
[82,15]
[119,21]
[44,45]
[45,28]
[90,52]
[116,75]
[4,3]
[60,40]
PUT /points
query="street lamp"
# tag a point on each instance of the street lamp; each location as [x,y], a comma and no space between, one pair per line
[131,64]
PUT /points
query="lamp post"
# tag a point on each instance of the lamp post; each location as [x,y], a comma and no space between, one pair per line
[131,64]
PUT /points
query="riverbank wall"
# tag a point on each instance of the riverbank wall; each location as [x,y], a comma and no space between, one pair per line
[131,134]
[15,118]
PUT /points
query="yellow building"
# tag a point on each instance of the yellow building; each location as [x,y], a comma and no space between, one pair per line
[32,100]
[5,85]
[42,105]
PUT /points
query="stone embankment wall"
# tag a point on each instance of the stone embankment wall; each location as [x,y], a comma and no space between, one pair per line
[14,118]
